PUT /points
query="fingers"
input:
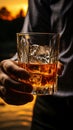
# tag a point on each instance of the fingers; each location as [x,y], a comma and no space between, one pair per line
[10,83]
[60,68]
[15,97]
[10,74]
[12,69]
[2,91]
[26,97]
[11,89]
[15,93]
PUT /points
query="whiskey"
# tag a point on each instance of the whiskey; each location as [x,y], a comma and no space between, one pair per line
[43,77]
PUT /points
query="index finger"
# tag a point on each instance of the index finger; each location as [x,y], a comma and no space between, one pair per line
[11,68]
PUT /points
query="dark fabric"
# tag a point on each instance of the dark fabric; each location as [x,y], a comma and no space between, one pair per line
[55,16]
[54,112]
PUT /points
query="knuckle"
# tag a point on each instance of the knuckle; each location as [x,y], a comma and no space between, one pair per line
[3,90]
[3,79]
[6,65]
[3,62]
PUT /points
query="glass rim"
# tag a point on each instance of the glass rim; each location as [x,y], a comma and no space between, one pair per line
[36,33]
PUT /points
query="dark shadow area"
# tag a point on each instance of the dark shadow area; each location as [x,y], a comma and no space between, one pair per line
[8,30]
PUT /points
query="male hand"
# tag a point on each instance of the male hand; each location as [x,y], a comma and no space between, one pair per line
[12,90]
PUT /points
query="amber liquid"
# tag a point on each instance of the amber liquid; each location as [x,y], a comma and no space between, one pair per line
[43,77]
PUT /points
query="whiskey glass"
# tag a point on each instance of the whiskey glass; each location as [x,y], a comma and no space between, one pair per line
[38,54]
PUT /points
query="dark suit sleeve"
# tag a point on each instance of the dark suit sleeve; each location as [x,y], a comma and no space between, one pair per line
[54,16]
[38,17]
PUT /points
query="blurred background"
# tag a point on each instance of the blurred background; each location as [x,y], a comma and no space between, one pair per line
[12,16]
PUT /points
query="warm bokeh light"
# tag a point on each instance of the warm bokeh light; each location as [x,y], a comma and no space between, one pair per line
[15,10]
[16,117]
[14,7]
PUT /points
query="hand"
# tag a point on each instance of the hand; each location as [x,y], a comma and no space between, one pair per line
[60,68]
[11,90]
